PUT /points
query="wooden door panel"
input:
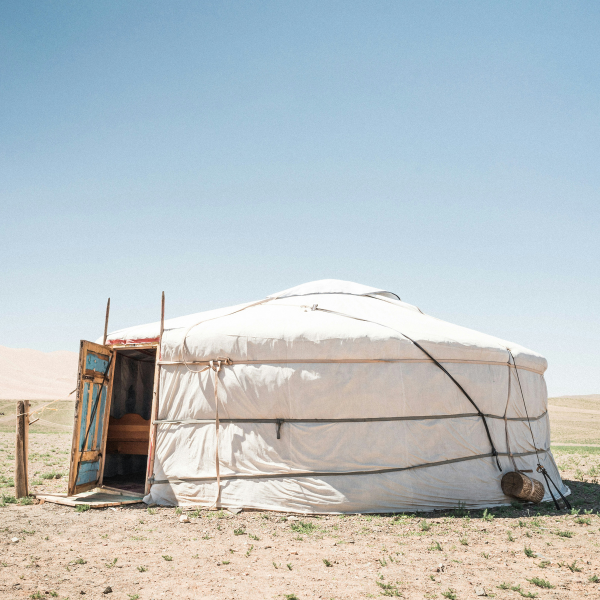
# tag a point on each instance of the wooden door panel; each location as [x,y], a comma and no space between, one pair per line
[92,406]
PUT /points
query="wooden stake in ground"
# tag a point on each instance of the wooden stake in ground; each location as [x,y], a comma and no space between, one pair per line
[22,449]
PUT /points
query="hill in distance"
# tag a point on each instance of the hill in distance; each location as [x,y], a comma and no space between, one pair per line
[34,375]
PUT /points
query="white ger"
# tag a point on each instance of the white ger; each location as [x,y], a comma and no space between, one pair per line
[330,397]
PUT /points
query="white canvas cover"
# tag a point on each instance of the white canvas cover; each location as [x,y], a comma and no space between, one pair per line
[326,404]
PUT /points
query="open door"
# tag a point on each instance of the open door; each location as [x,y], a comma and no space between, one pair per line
[92,407]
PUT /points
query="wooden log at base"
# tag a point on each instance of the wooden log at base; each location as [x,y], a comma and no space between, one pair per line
[518,485]
[22,450]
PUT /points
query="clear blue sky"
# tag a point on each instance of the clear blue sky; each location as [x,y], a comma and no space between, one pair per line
[222,151]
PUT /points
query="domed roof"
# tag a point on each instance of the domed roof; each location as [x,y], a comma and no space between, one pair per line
[333,286]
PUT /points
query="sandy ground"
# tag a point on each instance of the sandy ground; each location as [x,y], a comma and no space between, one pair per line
[146,553]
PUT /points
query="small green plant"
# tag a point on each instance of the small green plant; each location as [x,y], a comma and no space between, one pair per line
[382,562]
[151,511]
[435,546]
[289,566]
[583,521]
[82,508]
[504,586]
[388,589]
[574,568]
[425,526]
[565,534]
[541,582]
[485,555]
[37,595]
[487,516]
[53,594]
[510,537]
[25,501]
[275,565]
[110,565]
[327,563]
[544,564]
[253,537]
[226,562]
[594,579]
[464,541]
[239,531]
[291,597]
[142,569]
[80,561]
[178,511]
[167,557]
[249,550]
[134,596]
[450,594]
[206,536]
[529,552]
[304,527]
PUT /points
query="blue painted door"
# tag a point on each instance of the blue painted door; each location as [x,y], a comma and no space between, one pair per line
[92,407]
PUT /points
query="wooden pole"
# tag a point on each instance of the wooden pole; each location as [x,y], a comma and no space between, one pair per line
[22,449]
[154,413]
[106,322]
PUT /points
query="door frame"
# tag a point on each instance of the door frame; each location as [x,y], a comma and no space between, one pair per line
[116,348]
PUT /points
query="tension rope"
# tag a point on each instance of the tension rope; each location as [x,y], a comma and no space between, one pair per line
[540,468]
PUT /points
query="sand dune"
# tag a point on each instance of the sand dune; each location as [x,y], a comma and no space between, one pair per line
[33,375]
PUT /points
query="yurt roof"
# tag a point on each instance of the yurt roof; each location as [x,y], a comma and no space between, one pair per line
[331,319]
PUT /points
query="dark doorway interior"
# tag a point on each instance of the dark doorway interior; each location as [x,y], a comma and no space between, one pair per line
[129,421]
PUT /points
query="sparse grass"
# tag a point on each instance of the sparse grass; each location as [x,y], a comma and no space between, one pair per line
[304,527]
[82,508]
[529,552]
[583,520]
[464,541]
[565,534]
[142,569]
[151,511]
[425,526]
[544,564]
[510,537]
[240,530]
[572,567]
[435,546]
[594,579]
[167,557]
[80,561]
[388,589]
[541,582]
[327,563]
[450,594]
[289,566]
[487,516]
[291,597]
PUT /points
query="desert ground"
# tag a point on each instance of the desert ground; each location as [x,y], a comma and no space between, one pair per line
[142,553]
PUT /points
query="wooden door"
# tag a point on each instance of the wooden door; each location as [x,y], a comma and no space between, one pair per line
[92,407]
